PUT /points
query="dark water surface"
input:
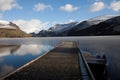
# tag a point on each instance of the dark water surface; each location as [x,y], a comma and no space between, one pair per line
[17,52]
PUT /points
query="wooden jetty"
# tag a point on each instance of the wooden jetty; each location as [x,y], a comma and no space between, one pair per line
[60,63]
[65,62]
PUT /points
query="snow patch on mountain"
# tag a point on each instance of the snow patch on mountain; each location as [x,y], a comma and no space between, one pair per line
[4,22]
[94,21]
[62,27]
[7,25]
[99,19]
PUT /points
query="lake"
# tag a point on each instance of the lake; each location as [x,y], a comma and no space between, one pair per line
[15,52]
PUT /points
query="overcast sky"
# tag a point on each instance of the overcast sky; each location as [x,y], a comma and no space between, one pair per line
[34,15]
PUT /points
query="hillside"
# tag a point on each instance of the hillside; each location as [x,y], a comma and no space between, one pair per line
[12,33]
[9,29]
[108,27]
[56,30]
[102,25]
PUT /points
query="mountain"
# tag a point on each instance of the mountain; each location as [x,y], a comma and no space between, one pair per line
[109,26]
[9,29]
[93,21]
[57,30]
[102,25]
[45,33]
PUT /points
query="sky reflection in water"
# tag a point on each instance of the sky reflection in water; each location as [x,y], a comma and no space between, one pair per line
[14,56]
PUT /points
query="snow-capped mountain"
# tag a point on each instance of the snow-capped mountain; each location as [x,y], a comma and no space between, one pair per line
[102,25]
[7,25]
[93,21]
[9,29]
[58,28]
[99,19]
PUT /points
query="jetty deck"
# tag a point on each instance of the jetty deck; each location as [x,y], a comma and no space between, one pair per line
[60,63]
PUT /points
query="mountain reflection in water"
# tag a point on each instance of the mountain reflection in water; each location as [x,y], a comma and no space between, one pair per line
[8,49]
[14,56]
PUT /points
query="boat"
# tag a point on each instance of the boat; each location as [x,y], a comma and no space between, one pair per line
[98,65]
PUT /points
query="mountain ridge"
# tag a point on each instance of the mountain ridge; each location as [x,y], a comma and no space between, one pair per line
[9,29]
[103,28]
[89,27]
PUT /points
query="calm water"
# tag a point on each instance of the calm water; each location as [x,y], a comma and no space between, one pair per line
[17,52]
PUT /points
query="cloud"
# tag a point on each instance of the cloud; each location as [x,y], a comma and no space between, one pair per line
[29,26]
[115,5]
[68,21]
[40,7]
[6,5]
[71,20]
[97,6]
[68,8]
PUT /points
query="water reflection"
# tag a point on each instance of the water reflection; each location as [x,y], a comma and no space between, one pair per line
[14,56]
[30,48]
[8,49]
[6,69]
[111,48]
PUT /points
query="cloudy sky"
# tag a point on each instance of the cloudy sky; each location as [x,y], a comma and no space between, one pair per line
[34,15]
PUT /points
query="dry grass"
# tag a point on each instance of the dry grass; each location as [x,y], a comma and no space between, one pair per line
[13,33]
